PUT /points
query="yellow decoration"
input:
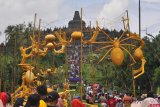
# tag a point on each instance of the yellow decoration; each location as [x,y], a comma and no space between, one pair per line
[42,104]
[117,45]
[49,38]
[36,48]
[24,55]
[95,34]
[50,46]
[117,56]
[62,94]
[140,71]
[138,54]
[76,36]
[29,76]
[49,90]
[39,83]
[62,42]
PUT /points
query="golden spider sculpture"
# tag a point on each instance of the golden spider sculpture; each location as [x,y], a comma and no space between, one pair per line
[117,46]
[62,42]
[36,49]
[76,35]
[56,48]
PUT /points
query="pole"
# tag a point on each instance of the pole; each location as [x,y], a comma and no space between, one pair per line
[34,25]
[38,57]
[140,18]
[92,64]
[133,80]
[128,21]
[134,86]
[14,69]
[81,60]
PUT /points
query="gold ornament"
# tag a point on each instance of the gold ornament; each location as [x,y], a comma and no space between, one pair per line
[29,76]
[50,46]
[117,56]
[76,35]
[49,38]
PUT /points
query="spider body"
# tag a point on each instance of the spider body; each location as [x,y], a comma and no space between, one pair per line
[116,50]
[117,56]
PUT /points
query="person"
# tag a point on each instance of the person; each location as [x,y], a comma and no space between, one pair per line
[76,102]
[42,91]
[4,98]
[91,100]
[60,99]
[119,102]
[158,99]
[9,100]
[135,102]
[33,100]
[149,101]
[111,102]
[19,102]
[127,101]
[52,99]
[103,100]
[96,100]
[87,98]
[1,103]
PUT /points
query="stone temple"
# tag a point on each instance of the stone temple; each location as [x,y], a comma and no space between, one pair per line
[75,24]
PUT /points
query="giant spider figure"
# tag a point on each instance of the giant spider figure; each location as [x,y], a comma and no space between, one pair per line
[117,46]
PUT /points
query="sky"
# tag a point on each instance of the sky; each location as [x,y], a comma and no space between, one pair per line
[59,12]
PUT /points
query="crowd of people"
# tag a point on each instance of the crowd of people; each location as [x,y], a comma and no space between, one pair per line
[51,98]
[41,98]
[123,100]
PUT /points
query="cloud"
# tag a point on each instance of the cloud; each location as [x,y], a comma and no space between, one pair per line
[152,1]
[114,8]
[17,11]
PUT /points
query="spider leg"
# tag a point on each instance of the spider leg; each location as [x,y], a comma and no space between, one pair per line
[127,39]
[105,34]
[128,45]
[125,30]
[138,72]
[101,42]
[61,40]
[129,55]
[134,38]
[105,55]
[94,37]
[104,47]
[71,41]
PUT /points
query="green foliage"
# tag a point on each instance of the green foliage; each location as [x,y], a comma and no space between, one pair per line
[156,77]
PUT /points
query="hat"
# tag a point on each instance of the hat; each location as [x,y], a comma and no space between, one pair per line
[77,97]
[4,97]
[76,103]
[53,96]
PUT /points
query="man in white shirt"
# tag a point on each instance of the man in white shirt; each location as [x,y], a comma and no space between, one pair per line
[149,101]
